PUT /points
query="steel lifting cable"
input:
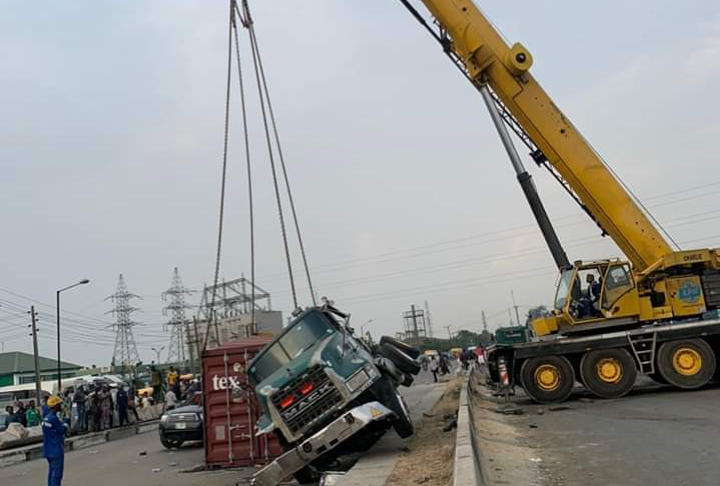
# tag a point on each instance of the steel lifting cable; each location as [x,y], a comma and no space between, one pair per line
[285,175]
[253,324]
[248,23]
[271,157]
[211,314]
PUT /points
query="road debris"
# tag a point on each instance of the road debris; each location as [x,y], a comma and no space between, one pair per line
[558,408]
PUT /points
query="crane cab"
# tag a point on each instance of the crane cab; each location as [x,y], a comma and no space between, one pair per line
[592,294]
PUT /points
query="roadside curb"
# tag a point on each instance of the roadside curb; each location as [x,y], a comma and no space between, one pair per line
[467,470]
[35,451]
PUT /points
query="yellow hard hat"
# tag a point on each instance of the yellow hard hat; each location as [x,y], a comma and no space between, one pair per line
[53,401]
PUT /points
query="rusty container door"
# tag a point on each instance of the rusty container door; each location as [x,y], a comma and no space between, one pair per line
[230,419]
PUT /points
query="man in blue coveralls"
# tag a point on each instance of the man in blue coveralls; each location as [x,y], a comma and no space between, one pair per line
[54,432]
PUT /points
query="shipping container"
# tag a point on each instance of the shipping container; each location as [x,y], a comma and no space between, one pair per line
[230,439]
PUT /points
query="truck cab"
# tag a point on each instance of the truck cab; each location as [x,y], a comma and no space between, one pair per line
[326,393]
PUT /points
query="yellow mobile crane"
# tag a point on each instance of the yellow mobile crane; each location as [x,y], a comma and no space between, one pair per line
[658,311]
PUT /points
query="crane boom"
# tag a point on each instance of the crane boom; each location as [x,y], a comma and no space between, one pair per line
[488,59]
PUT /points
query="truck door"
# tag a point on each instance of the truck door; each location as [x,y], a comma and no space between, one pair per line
[619,293]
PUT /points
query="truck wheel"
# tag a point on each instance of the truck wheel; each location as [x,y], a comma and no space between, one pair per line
[686,363]
[405,348]
[403,423]
[403,362]
[547,379]
[306,475]
[608,373]
[388,395]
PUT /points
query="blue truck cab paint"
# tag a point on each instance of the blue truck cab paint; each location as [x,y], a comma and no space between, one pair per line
[310,373]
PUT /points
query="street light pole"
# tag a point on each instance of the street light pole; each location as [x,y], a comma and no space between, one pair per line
[57,315]
[158,351]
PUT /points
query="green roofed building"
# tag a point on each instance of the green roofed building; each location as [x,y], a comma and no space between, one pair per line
[17,368]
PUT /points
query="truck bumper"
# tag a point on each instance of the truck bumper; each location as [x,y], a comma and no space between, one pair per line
[321,442]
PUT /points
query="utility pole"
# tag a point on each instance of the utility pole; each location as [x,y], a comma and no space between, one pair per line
[428,319]
[36,358]
[176,308]
[484,321]
[449,333]
[190,343]
[510,315]
[197,341]
[517,314]
[125,353]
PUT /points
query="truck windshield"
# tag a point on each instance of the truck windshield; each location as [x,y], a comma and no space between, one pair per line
[562,289]
[303,334]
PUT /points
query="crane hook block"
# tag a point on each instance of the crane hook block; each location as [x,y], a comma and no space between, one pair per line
[518,59]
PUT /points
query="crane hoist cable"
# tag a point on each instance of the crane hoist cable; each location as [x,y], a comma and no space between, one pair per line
[268,114]
[223,185]
[251,210]
[279,149]
[268,117]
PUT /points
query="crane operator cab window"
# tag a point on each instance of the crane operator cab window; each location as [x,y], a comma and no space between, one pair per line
[586,292]
[617,283]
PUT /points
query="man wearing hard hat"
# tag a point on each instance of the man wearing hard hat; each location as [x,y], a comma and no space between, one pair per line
[54,431]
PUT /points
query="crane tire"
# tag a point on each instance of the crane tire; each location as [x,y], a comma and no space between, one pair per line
[657,378]
[547,379]
[608,373]
[686,363]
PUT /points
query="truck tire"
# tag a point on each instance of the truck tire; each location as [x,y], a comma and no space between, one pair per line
[403,423]
[547,379]
[405,348]
[388,395]
[408,381]
[306,475]
[686,363]
[608,373]
[404,363]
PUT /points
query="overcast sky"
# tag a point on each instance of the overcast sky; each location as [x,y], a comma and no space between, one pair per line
[111,143]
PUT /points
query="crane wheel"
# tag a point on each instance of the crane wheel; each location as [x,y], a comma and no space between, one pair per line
[686,363]
[657,378]
[608,373]
[547,379]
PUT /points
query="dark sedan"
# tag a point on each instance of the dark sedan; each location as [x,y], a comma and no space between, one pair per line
[182,424]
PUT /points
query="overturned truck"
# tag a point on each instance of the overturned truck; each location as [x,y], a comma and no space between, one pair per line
[326,393]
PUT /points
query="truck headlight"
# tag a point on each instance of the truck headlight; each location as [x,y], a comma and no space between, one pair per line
[357,381]
[164,418]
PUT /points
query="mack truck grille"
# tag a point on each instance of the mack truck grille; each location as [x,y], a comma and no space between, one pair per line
[306,398]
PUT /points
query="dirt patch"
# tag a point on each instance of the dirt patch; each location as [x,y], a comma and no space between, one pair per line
[430,454]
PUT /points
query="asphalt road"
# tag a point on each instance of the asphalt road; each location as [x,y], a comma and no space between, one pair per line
[119,463]
[655,435]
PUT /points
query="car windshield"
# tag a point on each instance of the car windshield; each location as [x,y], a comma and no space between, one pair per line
[562,289]
[313,327]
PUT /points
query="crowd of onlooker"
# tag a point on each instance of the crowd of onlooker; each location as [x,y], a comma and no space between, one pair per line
[100,406]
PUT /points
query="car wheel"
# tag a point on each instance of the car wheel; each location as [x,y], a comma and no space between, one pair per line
[171,444]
